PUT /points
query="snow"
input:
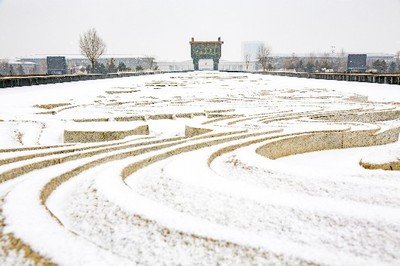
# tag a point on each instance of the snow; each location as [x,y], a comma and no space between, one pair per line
[388,154]
[167,128]
[322,162]
[102,126]
[24,213]
[209,198]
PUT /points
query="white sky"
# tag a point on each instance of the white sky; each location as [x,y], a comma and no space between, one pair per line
[162,28]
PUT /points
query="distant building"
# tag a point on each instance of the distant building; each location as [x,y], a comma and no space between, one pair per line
[175,66]
[357,62]
[18,67]
[250,50]
[56,65]
[234,66]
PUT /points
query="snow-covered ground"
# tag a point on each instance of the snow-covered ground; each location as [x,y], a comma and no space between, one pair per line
[227,168]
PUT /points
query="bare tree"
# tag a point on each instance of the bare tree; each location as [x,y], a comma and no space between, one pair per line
[310,63]
[4,67]
[152,63]
[327,62]
[247,58]
[397,58]
[292,62]
[92,46]
[263,56]
[342,61]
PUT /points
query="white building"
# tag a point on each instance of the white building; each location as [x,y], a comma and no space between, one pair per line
[175,66]
[22,67]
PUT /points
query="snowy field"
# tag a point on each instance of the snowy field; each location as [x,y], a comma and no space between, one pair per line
[200,168]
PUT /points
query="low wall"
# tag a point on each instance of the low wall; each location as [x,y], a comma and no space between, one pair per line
[195,131]
[389,166]
[326,140]
[99,136]
[8,82]
[360,77]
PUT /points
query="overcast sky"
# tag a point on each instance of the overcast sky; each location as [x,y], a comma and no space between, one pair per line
[162,28]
